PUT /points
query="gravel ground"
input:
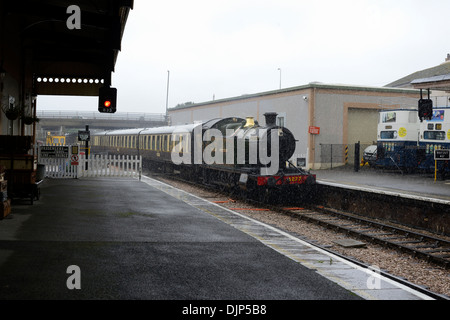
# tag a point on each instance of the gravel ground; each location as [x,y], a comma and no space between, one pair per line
[417,271]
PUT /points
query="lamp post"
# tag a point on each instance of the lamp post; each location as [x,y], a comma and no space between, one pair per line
[167,96]
[279,69]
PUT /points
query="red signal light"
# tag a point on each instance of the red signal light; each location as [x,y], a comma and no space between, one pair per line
[107,99]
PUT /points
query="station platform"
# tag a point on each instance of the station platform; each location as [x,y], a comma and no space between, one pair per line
[127,239]
[417,186]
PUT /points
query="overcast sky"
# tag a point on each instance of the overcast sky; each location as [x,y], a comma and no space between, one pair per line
[226,48]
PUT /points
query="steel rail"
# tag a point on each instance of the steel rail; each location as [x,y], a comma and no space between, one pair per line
[420,245]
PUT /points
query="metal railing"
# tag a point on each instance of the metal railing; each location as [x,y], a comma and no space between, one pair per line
[337,155]
[78,115]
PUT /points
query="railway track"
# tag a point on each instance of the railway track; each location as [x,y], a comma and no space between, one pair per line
[432,249]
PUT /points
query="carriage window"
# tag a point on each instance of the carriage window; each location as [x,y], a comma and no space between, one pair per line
[181,144]
[434,135]
[388,134]
[164,146]
[171,143]
[389,117]
[186,143]
[158,143]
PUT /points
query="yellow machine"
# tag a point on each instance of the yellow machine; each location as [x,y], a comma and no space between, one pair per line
[55,140]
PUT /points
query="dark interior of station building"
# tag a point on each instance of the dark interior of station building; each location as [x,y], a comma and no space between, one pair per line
[49,48]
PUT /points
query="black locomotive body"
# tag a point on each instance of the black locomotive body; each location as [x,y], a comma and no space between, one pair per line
[233,153]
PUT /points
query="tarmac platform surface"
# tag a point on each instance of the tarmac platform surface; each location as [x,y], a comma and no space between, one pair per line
[135,239]
[412,185]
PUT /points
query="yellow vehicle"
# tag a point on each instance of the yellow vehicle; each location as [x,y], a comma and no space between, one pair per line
[55,140]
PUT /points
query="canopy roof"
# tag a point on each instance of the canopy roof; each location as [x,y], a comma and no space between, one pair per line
[62,60]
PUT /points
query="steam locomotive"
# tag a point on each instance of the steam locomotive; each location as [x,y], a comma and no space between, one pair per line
[232,153]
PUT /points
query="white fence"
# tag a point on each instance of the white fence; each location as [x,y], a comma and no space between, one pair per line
[58,168]
[110,166]
[94,166]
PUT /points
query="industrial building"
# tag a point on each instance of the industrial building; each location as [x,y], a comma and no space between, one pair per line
[319,115]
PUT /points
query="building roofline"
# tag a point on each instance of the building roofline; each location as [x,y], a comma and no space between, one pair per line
[311,85]
[406,81]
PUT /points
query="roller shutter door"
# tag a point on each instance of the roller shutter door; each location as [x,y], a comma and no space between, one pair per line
[362,126]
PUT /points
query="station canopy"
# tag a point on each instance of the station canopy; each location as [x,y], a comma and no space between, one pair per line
[62,60]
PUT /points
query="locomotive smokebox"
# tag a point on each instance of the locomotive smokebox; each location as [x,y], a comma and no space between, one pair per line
[271,118]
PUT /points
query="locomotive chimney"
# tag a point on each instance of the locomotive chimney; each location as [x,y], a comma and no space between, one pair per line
[271,118]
